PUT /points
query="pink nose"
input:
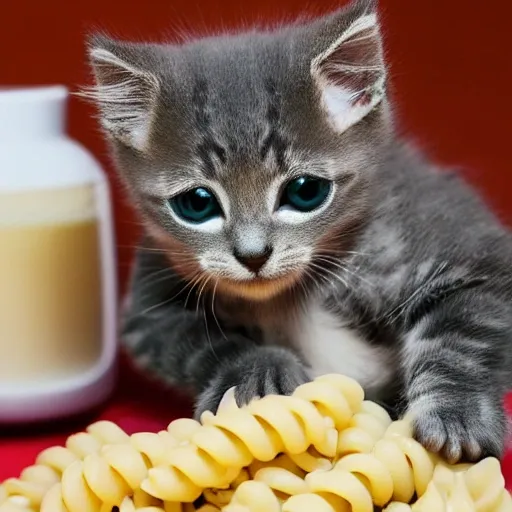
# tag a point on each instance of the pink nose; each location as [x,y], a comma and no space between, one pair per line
[254,262]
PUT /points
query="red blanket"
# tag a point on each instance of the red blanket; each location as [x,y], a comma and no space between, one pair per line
[136,406]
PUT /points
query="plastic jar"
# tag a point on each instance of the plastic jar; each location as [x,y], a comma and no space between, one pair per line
[58,298]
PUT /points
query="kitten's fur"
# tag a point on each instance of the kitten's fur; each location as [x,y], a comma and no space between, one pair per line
[402,281]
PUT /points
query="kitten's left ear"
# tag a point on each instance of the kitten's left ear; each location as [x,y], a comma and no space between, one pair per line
[350,73]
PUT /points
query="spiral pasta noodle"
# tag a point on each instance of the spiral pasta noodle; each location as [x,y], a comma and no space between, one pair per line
[28,491]
[323,449]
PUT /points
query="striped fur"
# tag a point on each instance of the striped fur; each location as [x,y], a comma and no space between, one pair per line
[401,280]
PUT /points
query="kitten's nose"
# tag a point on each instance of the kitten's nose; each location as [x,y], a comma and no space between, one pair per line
[254,261]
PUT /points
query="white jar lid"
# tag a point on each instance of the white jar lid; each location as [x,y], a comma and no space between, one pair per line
[35,152]
[32,112]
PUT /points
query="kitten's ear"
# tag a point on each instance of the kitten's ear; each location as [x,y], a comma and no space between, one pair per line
[125,92]
[350,73]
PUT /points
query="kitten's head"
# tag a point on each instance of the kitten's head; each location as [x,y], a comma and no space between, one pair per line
[249,155]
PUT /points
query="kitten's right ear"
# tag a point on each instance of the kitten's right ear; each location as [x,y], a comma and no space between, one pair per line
[125,92]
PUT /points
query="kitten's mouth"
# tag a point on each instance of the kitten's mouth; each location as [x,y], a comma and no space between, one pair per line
[259,288]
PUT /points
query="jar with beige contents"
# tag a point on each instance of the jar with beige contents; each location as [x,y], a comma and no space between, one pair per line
[57,271]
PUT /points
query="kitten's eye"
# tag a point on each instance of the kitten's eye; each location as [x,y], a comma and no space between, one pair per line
[306,193]
[197,205]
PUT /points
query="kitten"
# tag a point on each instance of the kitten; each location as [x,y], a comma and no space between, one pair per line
[292,233]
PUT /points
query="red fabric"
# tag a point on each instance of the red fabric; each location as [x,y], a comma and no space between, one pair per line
[137,405]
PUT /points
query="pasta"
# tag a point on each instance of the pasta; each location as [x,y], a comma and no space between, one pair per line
[28,491]
[471,489]
[323,449]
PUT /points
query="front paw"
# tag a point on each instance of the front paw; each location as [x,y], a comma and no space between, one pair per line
[259,372]
[466,428]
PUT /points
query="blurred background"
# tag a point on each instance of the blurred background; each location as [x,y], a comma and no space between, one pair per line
[450,65]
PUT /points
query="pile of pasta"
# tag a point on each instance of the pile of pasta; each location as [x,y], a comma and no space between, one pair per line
[323,449]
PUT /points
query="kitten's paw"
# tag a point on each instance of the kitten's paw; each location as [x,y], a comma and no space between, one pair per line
[465,428]
[263,371]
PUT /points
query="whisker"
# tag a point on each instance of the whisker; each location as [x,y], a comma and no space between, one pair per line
[156,306]
[344,268]
[339,252]
[330,272]
[148,280]
[183,288]
[311,276]
[347,232]
[314,276]
[205,317]
[170,299]
[194,281]
[205,280]
[213,309]
[395,313]
[141,248]
[156,250]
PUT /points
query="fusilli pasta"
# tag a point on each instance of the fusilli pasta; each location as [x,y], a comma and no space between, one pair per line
[28,491]
[323,449]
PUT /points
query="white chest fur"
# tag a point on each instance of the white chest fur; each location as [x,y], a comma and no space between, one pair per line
[329,347]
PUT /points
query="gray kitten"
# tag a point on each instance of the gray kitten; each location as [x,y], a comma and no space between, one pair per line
[290,232]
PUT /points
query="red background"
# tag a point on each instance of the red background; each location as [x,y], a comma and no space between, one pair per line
[450,66]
